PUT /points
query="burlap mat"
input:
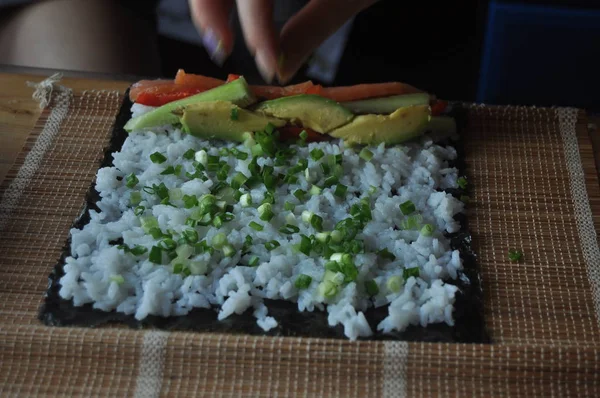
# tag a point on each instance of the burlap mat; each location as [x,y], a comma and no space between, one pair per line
[535,189]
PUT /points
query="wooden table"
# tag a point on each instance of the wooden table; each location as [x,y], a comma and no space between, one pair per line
[19,112]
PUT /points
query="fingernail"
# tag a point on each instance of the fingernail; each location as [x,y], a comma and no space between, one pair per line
[214,46]
[265,66]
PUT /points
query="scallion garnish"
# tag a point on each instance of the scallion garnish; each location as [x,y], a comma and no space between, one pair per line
[190,236]
[155,232]
[238,180]
[158,158]
[177,268]
[272,244]
[256,226]
[411,222]
[302,281]
[289,229]
[407,207]
[340,191]
[240,155]
[394,283]
[190,201]
[253,262]
[305,245]
[234,114]
[515,255]
[189,154]
[317,154]
[265,212]
[148,222]
[299,194]
[372,190]
[246,200]
[138,250]
[202,157]
[138,211]
[371,288]
[408,272]
[323,237]
[268,198]
[427,230]
[385,254]
[167,244]
[131,180]
[175,194]
[315,190]
[462,182]
[316,222]
[329,181]
[219,240]
[223,171]
[228,250]
[366,155]
[289,206]
[118,279]
[155,255]
[135,198]
[327,289]
[303,135]
[217,221]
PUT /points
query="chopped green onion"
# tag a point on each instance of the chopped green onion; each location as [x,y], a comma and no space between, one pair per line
[332,266]
[372,190]
[289,206]
[336,236]
[175,194]
[329,181]
[315,190]
[202,157]
[385,254]
[184,251]
[515,255]
[307,216]
[177,268]
[224,152]
[223,171]
[256,150]
[299,194]
[303,135]
[408,272]
[317,154]
[201,247]
[168,244]
[246,200]
[218,187]
[394,283]
[462,182]
[217,221]
[234,114]
[327,289]
[366,155]
[305,245]
[158,158]
[118,279]
[271,245]
[340,191]
[427,230]
[219,240]
[148,222]
[155,232]
[228,217]
[407,207]
[138,211]
[138,250]
[303,281]
[316,222]
[265,212]
[228,250]
[290,179]
[323,237]
[289,229]
[325,168]
[256,226]
[135,198]
[190,235]
[371,288]
[155,255]
[171,255]
[189,154]
[238,180]
[337,257]
[190,201]
[268,198]
[131,180]
[412,222]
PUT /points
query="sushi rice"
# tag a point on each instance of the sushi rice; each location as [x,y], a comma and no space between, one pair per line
[102,273]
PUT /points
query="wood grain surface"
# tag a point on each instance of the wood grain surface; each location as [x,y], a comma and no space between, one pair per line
[19,111]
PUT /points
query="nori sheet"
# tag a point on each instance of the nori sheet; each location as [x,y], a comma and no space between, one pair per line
[468,308]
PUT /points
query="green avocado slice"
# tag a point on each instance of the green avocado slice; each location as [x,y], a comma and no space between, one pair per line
[223,120]
[312,111]
[386,105]
[236,92]
[402,125]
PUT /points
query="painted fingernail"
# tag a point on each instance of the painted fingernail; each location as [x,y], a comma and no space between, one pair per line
[265,66]
[214,46]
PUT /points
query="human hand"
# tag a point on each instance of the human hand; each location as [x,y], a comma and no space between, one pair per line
[277,54]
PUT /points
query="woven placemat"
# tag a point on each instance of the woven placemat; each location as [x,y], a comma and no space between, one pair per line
[535,188]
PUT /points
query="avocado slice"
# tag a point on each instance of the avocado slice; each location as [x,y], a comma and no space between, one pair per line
[312,111]
[223,120]
[402,125]
[386,105]
[236,92]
